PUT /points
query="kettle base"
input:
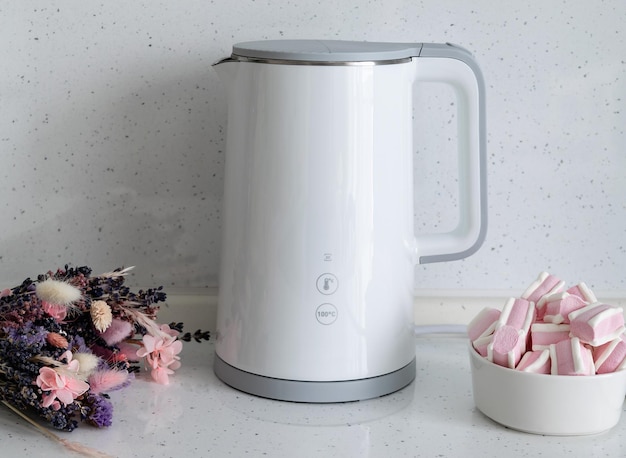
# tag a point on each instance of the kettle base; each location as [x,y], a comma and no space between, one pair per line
[314,391]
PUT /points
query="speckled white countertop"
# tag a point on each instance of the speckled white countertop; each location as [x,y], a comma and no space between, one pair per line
[199,416]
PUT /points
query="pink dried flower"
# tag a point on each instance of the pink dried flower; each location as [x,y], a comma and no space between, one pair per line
[128,351]
[161,374]
[57,340]
[170,332]
[58,312]
[116,332]
[106,380]
[161,354]
[61,387]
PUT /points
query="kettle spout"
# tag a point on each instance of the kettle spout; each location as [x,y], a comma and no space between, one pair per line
[226,69]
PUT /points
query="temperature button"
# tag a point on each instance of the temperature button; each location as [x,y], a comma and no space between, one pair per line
[327,284]
[326,314]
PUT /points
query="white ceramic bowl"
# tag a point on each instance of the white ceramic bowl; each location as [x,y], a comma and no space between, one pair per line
[547,404]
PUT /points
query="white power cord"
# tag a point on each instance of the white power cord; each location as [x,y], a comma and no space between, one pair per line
[440,329]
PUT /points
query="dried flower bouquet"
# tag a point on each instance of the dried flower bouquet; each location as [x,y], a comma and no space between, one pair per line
[67,339]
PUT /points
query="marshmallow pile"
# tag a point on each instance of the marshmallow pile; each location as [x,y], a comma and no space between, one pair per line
[550,330]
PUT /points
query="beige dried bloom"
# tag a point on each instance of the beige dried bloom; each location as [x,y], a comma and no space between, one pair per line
[101,315]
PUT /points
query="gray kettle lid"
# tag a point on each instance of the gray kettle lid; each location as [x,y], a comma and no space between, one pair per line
[325,50]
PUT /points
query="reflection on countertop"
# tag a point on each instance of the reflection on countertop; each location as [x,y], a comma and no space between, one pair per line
[197,415]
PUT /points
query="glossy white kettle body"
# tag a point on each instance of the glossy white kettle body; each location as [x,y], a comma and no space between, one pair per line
[319,249]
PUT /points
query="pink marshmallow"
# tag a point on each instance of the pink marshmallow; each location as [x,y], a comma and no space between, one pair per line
[510,337]
[571,357]
[558,306]
[483,324]
[597,323]
[611,356]
[582,290]
[537,362]
[518,313]
[552,331]
[507,346]
[545,285]
[542,335]
[481,344]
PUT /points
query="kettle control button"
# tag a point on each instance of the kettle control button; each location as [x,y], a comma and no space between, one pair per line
[327,284]
[326,314]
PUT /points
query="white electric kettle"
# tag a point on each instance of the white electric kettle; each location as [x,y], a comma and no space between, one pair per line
[319,249]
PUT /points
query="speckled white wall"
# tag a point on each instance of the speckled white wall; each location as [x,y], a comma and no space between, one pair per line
[112,132]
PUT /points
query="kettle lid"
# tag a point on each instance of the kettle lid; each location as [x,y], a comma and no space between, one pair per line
[320,51]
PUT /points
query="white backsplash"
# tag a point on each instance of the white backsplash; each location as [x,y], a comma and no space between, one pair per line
[112,127]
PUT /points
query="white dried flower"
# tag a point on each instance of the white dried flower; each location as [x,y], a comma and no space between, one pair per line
[57,292]
[101,315]
[88,362]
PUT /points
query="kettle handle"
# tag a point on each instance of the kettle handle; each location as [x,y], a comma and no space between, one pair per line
[456,67]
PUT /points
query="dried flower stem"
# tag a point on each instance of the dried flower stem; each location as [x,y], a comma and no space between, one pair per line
[144,321]
[117,273]
[74,446]
[134,341]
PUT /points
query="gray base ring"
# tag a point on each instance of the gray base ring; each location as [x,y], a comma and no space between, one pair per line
[314,392]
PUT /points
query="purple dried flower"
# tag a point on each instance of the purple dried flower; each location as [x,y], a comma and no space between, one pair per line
[98,411]
[29,334]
